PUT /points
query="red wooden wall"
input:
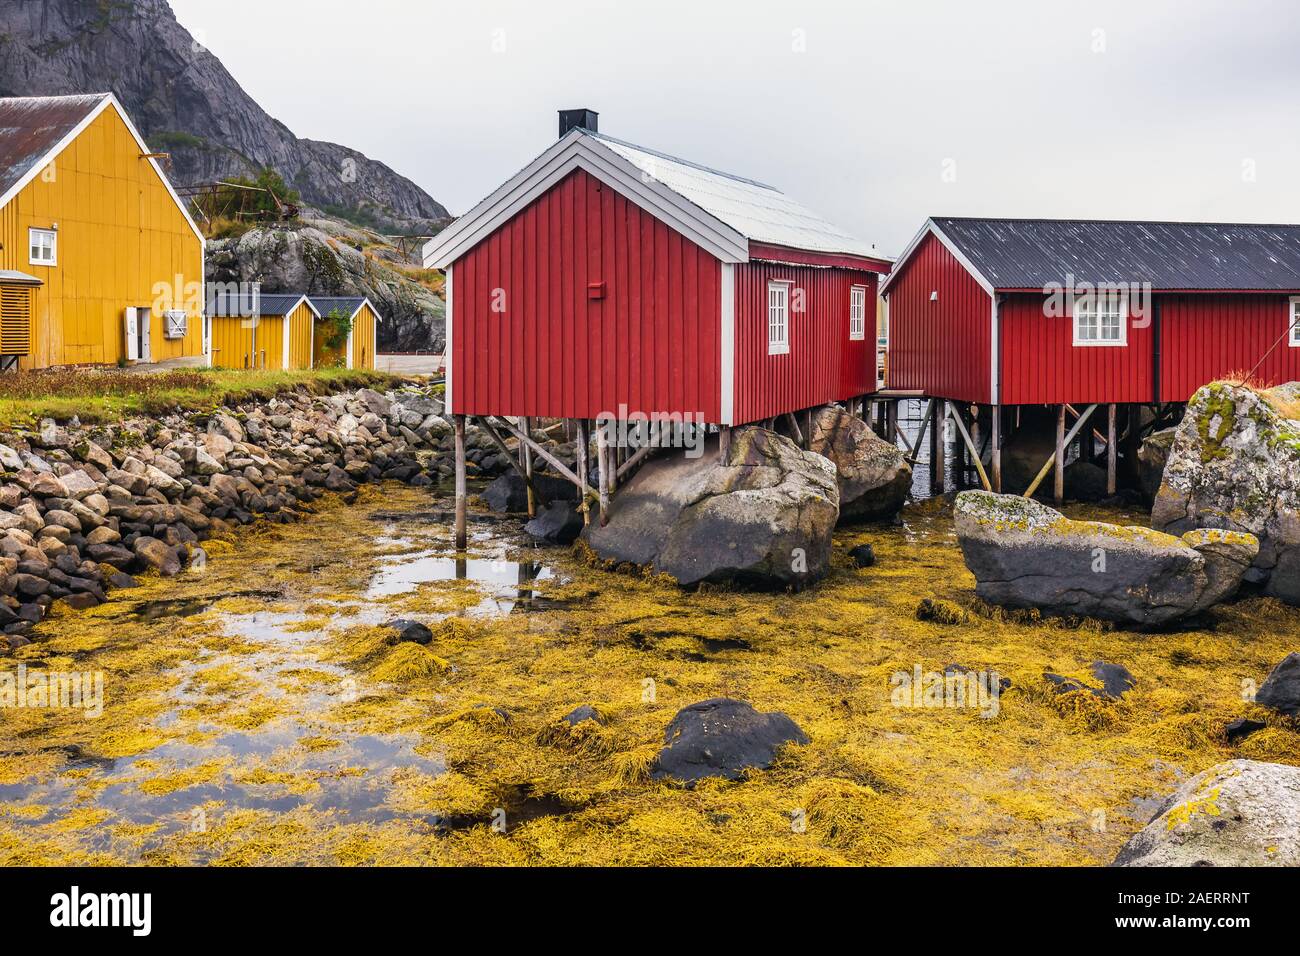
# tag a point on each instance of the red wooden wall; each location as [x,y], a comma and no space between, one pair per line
[1207,337]
[823,365]
[1041,363]
[652,343]
[944,347]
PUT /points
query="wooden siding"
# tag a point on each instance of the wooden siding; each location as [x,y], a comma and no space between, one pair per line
[583,303]
[363,338]
[823,365]
[1204,337]
[302,328]
[120,234]
[247,343]
[944,347]
[1041,363]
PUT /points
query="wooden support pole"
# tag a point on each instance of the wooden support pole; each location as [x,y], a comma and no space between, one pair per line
[938,449]
[724,443]
[808,429]
[584,468]
[1058,477]
[891,421]
[462,532]
[526,458]
[541,451]
[504,449]
[1047,466]
[915,450]
[1112,452]
[995,453]
[602,468]
[970,446]
[637,457]
[796,431]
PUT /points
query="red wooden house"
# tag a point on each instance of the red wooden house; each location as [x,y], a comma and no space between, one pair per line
[1016,312]
[606,277]
[998,313]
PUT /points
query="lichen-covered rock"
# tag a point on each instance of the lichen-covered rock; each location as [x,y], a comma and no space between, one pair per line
[873,475]
[1239,813]
[722,738]
[762,518]
[1026,555]
[1235,464]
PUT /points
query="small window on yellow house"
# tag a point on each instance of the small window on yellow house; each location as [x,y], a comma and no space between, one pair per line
[44,247]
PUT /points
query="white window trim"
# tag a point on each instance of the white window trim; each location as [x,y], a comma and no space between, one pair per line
[32,232]
[1120,342]
[1295,322]
[860,334]
[778,348]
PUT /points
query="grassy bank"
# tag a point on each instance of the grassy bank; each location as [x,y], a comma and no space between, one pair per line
[105,395]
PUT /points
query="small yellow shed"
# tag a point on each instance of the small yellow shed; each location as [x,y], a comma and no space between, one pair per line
[257,331]
[358,351]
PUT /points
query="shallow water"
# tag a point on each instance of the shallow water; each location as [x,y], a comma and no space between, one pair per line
[258,713]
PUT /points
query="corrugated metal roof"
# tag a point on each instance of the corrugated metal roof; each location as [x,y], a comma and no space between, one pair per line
[244,305]
[759,212]
[14,277]
[1033,253]
[347,304]
[31,126]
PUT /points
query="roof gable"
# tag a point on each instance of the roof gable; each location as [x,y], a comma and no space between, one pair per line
[34,130]
[717,211]
[243,305]
[1034,253]
[349,305]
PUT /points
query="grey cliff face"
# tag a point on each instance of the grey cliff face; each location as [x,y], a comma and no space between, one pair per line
[187,104]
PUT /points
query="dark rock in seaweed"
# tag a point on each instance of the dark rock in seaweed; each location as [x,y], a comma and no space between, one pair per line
[864,556]
[412,632]
[508,494]
[579,714]
[1281,689]
[1242,728]
[1115,679]
[558,523]
[722,738]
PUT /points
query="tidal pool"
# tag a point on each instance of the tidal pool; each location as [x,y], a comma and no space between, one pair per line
[258,712]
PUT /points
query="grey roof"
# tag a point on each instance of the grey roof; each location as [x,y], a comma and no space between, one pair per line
[31,126]
[759,212]
[14,277]
[1032,253]
[347,304]
[272,304]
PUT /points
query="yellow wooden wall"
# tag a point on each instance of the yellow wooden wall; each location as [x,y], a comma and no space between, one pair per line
[324,357]
[120,233]
[363,338]
[248,343]
[302,328]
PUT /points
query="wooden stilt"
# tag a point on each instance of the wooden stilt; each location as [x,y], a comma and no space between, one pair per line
[970,446]
[1058,480]
[808,428]
[995,452]
[724,443]
[937,448]
[602,469]
[462,532]
[795,430]
[891,422]
[584,468]
[526,459]
[1112,452]
[1062,441]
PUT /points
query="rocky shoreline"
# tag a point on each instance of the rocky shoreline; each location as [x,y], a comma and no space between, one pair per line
[84,508]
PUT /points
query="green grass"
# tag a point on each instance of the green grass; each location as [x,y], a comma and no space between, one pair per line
[107,395]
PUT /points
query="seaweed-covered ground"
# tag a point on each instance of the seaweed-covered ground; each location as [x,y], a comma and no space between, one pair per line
[257,712]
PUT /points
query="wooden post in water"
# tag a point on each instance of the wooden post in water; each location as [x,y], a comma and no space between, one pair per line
[1058,486]
[995,451]
[891,421]
[1112,452]
[462,534]
[584,468]
[526,460]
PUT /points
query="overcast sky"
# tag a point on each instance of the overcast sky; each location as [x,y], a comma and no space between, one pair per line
[874,114]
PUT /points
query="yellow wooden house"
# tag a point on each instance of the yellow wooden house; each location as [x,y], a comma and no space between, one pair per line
[363,336]
[260,331]
[100,261]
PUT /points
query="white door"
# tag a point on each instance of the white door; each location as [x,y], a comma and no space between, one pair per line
[145,321]
[131,332]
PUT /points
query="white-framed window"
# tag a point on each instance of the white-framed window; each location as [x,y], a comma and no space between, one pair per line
[778,318]
[1101,318]
[44,247]
[1295,321]
[858,313]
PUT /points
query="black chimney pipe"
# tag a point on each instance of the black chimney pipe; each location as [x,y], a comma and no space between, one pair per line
[579,119]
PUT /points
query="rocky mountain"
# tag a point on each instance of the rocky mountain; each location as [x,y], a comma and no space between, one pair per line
[324,257]
[187,104]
